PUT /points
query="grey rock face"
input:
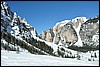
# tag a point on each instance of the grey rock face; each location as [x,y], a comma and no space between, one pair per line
[90,32]
[68,33]
[64,34]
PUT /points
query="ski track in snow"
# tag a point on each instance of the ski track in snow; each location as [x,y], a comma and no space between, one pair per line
[11,58]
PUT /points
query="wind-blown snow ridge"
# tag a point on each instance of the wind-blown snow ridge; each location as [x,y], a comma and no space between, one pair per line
[82,18]
[62,23]
[73,20]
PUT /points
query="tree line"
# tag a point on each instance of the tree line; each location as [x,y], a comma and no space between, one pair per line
[85,48]
[31,48]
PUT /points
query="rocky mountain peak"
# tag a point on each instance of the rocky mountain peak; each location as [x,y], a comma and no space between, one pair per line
[14,24]
[68,32]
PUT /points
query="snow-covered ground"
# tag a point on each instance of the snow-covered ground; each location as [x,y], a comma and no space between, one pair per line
[11,58]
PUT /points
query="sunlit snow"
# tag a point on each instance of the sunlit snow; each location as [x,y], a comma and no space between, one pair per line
[11,58]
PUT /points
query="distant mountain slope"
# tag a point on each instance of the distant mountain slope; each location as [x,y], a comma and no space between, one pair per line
[14,24]
[79,32]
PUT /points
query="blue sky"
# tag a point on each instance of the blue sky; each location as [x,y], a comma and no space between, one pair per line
[43,15]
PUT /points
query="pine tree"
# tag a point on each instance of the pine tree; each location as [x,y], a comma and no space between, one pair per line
[95,55]
[17,51]
[78,56]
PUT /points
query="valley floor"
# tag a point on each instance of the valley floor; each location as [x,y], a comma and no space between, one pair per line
[11,58]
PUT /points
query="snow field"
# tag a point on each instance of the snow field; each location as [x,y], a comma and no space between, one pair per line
[11,58]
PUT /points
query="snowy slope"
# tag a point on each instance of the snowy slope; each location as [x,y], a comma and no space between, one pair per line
[11,58]
[79,42]
[14,24]
[54,46]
